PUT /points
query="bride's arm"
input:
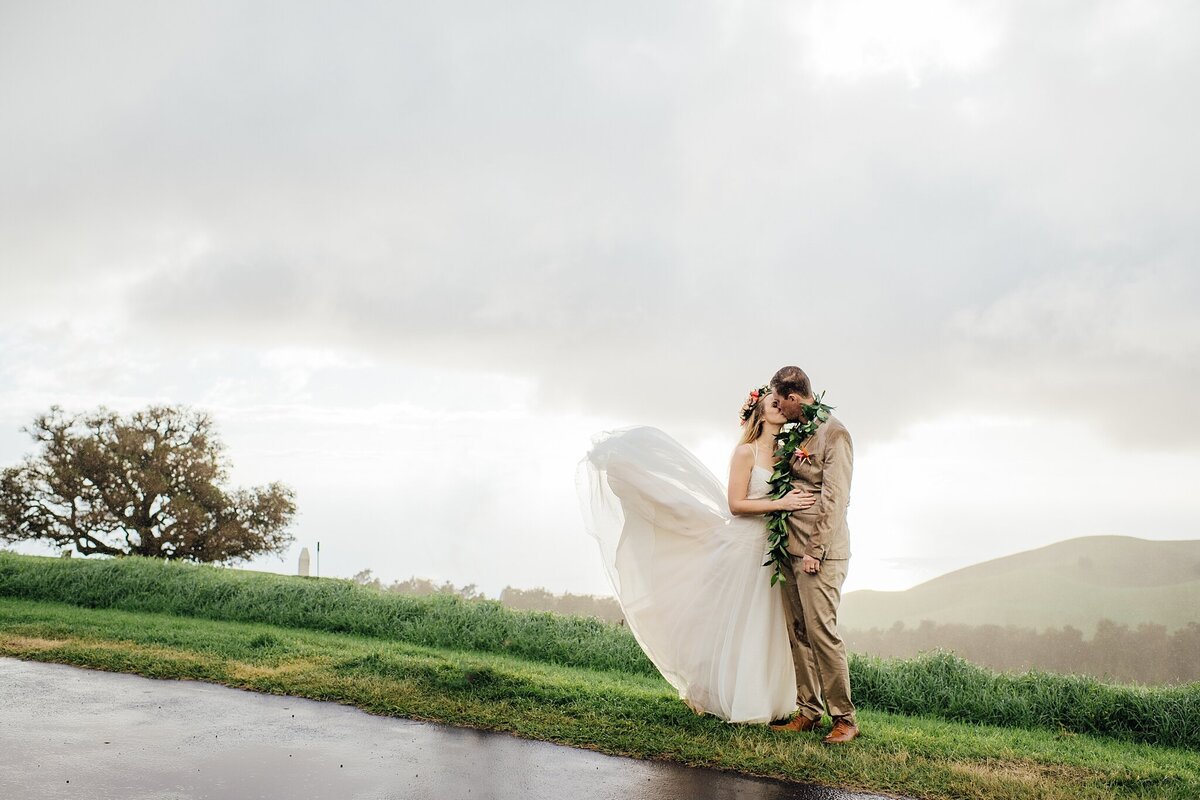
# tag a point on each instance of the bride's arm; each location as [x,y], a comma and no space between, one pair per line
[739,486]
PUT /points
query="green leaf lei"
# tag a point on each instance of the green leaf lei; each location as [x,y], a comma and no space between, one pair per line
[787,442]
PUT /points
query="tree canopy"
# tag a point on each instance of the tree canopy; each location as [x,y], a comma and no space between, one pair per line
[149,484]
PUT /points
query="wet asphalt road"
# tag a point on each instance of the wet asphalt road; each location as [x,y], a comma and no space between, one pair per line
[76,733]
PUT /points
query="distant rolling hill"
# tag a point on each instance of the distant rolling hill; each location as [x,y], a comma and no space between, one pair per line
[1077,582]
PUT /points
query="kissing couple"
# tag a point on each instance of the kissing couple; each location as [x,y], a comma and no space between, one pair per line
[685,554]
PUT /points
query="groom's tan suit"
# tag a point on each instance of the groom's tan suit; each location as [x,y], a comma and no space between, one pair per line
[812,600]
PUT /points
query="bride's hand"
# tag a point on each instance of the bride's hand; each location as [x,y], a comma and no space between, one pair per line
[796,500]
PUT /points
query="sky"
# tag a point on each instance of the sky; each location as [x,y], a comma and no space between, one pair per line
[412,256]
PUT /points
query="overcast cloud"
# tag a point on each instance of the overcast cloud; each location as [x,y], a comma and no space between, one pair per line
[596,214]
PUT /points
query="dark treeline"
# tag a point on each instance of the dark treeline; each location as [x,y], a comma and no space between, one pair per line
[575,605]
[1145,654]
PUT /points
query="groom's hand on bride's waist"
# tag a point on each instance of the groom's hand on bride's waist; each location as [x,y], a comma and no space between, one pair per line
[810,565]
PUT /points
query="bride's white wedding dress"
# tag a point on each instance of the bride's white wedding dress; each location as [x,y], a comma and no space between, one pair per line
[689,575]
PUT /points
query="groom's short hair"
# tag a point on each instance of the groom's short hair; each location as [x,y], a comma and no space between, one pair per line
[791,380]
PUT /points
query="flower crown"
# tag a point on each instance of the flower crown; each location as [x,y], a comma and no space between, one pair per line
[756,395]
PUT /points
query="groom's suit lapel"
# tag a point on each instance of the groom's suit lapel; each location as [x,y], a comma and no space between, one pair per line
[808,470]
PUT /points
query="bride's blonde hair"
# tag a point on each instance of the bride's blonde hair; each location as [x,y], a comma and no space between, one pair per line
[752,428]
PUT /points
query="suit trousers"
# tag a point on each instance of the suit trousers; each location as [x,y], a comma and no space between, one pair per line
[822,671]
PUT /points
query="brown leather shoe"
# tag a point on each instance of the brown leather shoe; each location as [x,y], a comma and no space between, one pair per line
[843,731]
[797,723]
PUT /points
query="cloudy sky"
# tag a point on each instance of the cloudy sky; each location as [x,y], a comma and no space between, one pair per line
[411,256]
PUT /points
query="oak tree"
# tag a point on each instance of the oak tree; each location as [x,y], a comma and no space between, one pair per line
[149,484]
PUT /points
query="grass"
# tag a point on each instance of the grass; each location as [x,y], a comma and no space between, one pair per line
[937,684]
[612,711]
[340,606]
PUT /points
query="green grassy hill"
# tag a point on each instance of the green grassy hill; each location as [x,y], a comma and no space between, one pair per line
[1077,582]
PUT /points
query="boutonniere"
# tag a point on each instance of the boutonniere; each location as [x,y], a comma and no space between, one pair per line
[788,442]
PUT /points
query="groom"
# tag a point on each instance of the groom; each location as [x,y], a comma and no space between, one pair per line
[819,543]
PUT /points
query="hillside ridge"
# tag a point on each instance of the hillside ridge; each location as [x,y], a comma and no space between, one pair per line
[1077,582]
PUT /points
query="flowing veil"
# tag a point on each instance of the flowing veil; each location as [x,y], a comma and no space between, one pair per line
[642,472]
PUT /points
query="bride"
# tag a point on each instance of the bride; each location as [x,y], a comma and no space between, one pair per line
[685,558]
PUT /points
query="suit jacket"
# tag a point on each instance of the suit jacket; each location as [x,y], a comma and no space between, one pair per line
[821,531]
